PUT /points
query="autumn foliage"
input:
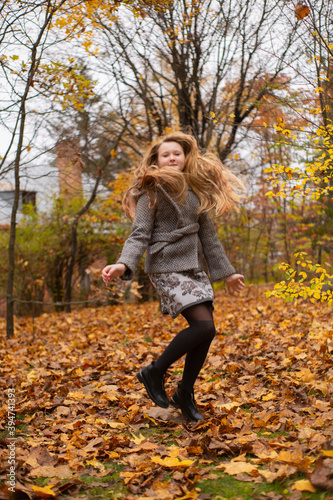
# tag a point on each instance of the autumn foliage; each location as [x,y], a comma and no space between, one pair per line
[266,390]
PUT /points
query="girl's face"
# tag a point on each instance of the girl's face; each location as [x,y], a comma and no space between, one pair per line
[171,154]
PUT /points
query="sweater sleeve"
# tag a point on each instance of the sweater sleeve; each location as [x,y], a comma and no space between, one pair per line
[137,242]
[218,263]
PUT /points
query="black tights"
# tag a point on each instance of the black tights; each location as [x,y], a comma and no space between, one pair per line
[193,341]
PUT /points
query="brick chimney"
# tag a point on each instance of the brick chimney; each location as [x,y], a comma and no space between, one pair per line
[69,165]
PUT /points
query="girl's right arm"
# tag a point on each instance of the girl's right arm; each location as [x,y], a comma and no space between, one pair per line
[136,243]
[112,271]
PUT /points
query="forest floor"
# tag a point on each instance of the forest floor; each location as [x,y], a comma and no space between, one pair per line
[85,428]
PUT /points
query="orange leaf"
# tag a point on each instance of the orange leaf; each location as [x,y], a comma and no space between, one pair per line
[301,11]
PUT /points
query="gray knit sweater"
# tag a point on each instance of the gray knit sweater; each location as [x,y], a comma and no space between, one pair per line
[174,237]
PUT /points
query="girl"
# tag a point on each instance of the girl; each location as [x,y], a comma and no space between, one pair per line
[169,200]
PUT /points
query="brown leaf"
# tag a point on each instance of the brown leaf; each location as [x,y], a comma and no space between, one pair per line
[42,456]
[162,414]
[321,476]
[61,471]
[93,443]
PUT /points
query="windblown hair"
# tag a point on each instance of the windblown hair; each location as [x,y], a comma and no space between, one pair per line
[218,189]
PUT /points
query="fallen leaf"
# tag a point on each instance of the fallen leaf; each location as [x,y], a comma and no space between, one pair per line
[171,462]
[321,477]
[234,468]
[61,471]
[44,491]
[303,485]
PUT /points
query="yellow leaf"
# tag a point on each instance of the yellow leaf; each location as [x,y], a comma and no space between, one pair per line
[306,375]
[116,425]
[137,440]
[127,476]
[327,453]
[32,376]
[269,396]
[44,491]
[96,464]
[290,457]
[265,124]
[234,468]
[228,406]
[303,485]
[171,462]
[266,473]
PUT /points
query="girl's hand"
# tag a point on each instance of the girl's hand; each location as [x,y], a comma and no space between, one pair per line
[235,283]
[112,271]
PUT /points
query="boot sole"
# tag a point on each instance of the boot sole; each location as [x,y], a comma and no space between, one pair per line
[142,380]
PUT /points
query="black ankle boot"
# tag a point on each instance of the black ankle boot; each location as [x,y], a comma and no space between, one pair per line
[153,380]
[185,401]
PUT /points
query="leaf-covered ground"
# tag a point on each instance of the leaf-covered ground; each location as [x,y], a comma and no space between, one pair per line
[86,429]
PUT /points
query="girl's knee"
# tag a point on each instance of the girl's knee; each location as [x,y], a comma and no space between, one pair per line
[208,329]
[212,330]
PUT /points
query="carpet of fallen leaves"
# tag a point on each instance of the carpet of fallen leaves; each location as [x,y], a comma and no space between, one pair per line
[266,390]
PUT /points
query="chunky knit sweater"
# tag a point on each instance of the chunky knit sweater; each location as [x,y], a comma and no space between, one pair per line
[175,238]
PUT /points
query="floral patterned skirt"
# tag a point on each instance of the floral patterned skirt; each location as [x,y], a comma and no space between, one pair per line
[181,290]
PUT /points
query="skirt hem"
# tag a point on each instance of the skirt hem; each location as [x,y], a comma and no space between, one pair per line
[173,316]
[179,291]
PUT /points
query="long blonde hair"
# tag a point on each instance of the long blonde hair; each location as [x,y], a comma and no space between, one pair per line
[218,189]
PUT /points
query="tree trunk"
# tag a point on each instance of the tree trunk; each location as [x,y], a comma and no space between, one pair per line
[12,237]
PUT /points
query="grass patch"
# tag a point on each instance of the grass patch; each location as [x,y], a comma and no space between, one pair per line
[167,438]
[226,487]
[271,435]
[114,486]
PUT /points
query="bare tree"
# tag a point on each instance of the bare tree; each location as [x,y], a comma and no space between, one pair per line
[202,65]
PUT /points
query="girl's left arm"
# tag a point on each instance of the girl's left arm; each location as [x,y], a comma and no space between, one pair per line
[234,283]
[218,263]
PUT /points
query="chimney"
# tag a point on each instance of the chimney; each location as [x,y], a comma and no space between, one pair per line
[69,165]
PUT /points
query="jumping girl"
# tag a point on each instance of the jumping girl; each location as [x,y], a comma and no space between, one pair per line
[169,201]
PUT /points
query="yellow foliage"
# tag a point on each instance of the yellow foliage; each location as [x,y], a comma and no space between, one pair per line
[296,286]
[171,462]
